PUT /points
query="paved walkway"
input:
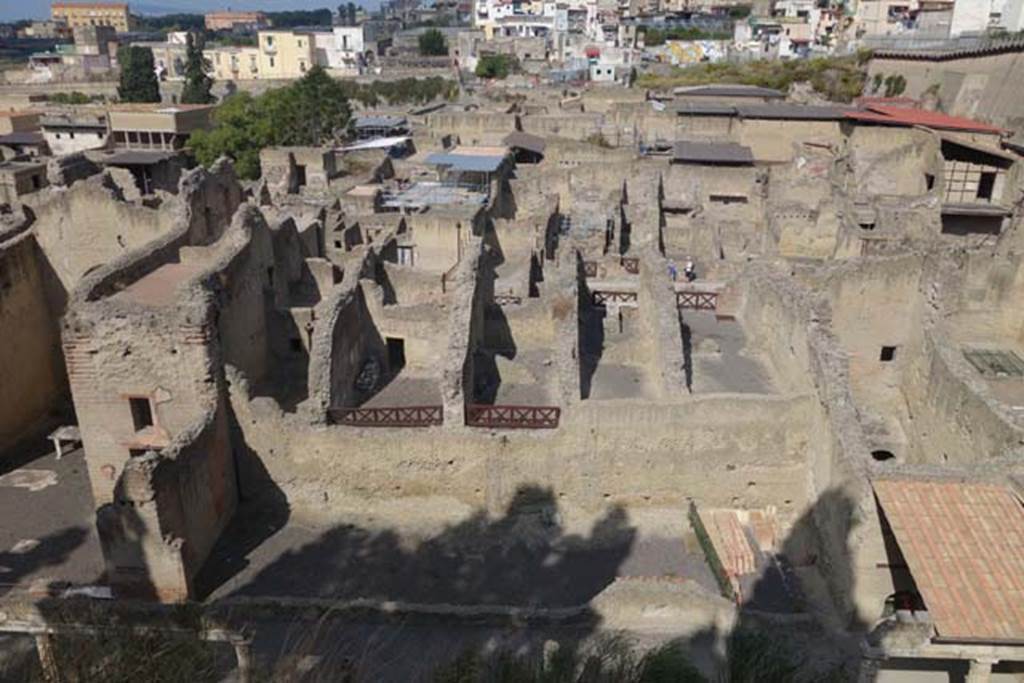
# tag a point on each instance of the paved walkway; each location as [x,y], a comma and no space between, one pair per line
[47,522]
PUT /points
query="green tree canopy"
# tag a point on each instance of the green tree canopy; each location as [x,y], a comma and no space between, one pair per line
[433,43]
[310,111]
[197,79]
[138,75]
[495,66]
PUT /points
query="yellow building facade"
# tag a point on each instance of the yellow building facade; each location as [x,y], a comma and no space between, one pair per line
[234,63]
[285,54]
[75,14]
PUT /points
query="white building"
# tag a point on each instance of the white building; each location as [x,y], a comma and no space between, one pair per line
[341,50]
[74,132]
[975,16]
[1013,15]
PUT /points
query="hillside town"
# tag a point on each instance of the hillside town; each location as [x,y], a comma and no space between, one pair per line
[586,341]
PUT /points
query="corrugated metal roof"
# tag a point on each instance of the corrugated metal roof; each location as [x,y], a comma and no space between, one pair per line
[711,153]
[703,109]
[382,121]
[964,545]
[527,141]
[379,143]
[478,163]
[22,139]
[728,90]
[136,157]
[902,116]
[799,112]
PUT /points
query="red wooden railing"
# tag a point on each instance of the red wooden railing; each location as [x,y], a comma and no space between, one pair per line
[600,297]
[590,268]
[446,276]
[631,264]
[507,299]
[698,301]
[512,417]
[396,416]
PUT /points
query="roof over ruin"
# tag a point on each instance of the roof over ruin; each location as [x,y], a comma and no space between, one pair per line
[964,545]
[379,143]
[728,90]
[137,157]
[464,160]
[380,121]
[979,147]
[22,139]
[527,141]
[703,109]
[904,116]
[804,112]
[687,152]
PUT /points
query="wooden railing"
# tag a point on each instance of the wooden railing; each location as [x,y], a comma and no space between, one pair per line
[507,299]
[630,264]
[698,301]
[602,297]
[512,417]
[447,275]
[396,416]
[590,268]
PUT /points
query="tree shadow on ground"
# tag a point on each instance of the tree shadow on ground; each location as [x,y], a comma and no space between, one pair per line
[22,561]
[774,638]
[523,558]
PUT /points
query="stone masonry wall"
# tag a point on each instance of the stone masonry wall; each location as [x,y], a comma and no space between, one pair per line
[33,381]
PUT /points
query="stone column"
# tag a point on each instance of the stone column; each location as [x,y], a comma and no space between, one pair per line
[243,653]
[869,668]
[47,657]
[980,670]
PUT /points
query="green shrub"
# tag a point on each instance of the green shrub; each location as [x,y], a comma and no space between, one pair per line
[496,66]
[433,44]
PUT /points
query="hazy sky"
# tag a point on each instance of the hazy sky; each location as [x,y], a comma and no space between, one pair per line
[40,9]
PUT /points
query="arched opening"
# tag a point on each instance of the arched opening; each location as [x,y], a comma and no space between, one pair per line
[882,455]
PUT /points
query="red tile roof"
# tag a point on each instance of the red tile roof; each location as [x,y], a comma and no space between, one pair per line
[905,116]
[964,545]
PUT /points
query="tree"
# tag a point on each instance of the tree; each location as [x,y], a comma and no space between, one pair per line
[316,110]
[197,80]
[433,43]
[495,66]
[240,130]
[138,75]
[310,111]
[347,14]
[895,85]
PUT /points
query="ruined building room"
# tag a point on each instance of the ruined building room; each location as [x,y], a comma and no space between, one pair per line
[667,366]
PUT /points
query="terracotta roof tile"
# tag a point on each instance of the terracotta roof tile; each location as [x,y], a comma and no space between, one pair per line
[964,544]
[904,116]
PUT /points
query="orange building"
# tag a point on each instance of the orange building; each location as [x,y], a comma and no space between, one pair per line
[229,21]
